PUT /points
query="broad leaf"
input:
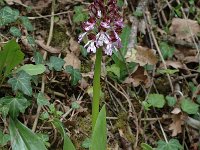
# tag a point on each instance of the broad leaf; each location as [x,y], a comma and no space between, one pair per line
[4,138]
[8,15]
[33,69]
[22,138]
[189,107]
[21,82]
[75,74]
[99,135]
[166,50]
[114,69]
[68,145]
[156,100]
[38,58]
[15,105]
[27,23]
[15,32]
[56,63]
[41,100]
[173,144]
[10,57]
[79,15]
[171,101]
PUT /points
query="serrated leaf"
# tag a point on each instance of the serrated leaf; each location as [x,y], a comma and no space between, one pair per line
[56,63]
[15,32]
[41,100]
[189,107]
[114,69]
[4,138]
[38,58]
[22,138]
[99,135]
[10,56]
[33,69]
[173,144]
[80,15]
[171,101]
[21,82]
[68,145]
[8,15]
[156,100]
[75,74]
[166,50]
[15,105]
[26,22]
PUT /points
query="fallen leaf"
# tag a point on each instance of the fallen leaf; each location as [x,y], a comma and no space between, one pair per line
[39,5]
[11,2]
[74,46]
[174,64]
[72,60]
[176,111]
[184,29]
[175,126]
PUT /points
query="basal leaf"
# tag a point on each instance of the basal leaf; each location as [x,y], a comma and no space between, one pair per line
[4,138]
[15,105]
[189,107]
[15,32]
[57,63]
[156,100]
[33,69]
[10,57]
[68,145]
[22,138]
[21,82]
[75,74]
[114,69]
[8,15]
[99,135]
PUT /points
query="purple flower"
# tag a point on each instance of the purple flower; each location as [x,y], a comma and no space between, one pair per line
[103,27]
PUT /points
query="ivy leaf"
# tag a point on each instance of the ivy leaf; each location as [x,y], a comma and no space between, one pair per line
[33,69]
[56,63]
[189,107]
[8,15]
[30,40]
[21,82]
[75,74]
[41,100]
[4,138]
[166,50]
[15,32]
[27,24]
[79,15]
[173,144]
[15,105]
[38,58]
[156,100]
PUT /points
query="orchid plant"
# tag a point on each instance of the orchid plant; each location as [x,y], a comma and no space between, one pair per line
[101,32]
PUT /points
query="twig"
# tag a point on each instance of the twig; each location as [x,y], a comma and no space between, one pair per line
[44,57]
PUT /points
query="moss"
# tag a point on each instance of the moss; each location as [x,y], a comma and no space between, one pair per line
[59,38]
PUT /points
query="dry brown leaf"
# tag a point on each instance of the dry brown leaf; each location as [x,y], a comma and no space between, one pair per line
[175,126]
[11,2]
[47,48]
[145,56]
[39,4]
[176,111]
[184,28]
[74,46]
[72,60]
[174,64]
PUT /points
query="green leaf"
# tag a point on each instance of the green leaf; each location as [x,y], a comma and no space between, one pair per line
[99,135]
[22,138]
[15,32]
[86,143]
[68,145]
[75,105]
[171,101]
[27,24]
[167,71]
[15,105]
[30,40]
[80,15]
[33,69]
[189,107]
[156,100]
[8,15]
[21,82]
[10,57]
[166,50]
[41,100]
[4,138]
[38,58]
[56,63]
[145,146]
[75,74]
[173,144]
[114,69]
[44,138]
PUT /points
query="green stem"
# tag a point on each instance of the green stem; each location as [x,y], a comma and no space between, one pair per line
[96,87]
